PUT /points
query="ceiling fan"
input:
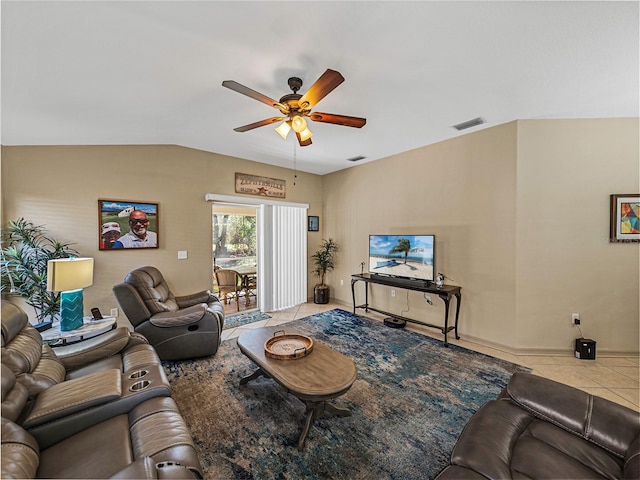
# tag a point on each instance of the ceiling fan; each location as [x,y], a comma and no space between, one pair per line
[295,107]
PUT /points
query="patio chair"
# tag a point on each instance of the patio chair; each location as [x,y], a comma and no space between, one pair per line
[229,285]
[249,286]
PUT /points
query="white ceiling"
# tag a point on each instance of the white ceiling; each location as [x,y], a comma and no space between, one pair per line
[103,73]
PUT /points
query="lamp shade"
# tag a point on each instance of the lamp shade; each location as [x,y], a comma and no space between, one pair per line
[305,134]
[283,129]
[298,124]
[66,274]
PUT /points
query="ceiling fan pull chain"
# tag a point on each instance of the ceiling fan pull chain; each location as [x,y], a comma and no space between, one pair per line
[295,168]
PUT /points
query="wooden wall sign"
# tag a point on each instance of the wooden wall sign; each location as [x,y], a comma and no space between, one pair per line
[264,186]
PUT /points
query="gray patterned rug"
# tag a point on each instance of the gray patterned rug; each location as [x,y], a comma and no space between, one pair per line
[409,404]
[238,319]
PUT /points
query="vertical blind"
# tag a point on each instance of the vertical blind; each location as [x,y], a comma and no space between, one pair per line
[282,256]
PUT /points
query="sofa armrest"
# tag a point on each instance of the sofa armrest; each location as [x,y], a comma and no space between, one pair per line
[147,468]
[605,423]
[137,339]
[75,405]
[20,452]
[204,296]
[72,396]
[93,349]
[454,472]
[632,461]
[184,316]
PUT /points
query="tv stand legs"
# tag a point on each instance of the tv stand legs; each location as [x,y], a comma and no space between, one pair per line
[445,293]
[446,328]
[458,302]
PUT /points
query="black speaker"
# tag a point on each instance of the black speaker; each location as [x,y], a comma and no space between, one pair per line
[585,349]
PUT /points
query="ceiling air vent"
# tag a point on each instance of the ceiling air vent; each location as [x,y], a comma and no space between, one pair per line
[470,123]
[356,159]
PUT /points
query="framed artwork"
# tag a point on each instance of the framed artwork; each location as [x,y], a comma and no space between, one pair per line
[624,222]
[314,224]
[124,225]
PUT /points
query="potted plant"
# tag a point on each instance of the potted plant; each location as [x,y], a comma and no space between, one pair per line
[26,250]
[323,262]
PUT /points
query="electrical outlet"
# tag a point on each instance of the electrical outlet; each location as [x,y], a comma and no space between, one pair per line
[575,319]
[393,292]
[114,312]
[341,282]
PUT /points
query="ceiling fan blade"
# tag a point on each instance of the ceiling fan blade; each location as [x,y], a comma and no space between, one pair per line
[261,123]
[345,120]
[323,86]
[303,143]
[237,87]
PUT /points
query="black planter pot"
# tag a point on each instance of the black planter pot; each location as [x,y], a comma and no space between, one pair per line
[321,294]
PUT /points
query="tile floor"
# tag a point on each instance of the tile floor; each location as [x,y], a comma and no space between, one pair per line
[614,378]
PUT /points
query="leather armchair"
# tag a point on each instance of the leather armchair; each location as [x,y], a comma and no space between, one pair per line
[538,428]
[178,327]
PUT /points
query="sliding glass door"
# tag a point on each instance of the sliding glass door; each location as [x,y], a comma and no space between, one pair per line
[279,251]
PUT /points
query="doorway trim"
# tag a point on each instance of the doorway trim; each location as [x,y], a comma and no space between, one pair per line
[235,200]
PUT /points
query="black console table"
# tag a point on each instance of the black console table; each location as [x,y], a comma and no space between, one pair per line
[445,293]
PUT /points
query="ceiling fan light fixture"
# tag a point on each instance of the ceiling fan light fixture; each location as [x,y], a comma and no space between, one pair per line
[305,134]
[294,107]
[283,129]
[298,124]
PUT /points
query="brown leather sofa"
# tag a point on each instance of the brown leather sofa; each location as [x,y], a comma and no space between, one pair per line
[178,327]
[100,408]
[538,428]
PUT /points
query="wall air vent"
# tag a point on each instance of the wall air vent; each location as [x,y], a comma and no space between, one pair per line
[356,159]
[470,123]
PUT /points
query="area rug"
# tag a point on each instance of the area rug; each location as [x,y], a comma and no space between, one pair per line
[238,319]
[409,404]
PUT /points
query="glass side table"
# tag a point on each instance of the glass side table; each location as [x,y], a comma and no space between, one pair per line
[54,337]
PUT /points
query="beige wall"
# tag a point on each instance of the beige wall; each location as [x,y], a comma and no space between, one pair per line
[463,191]
[59,187]
[520,214]
[566,171]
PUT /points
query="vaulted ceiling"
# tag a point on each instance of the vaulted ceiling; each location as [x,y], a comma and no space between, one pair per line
[103,73]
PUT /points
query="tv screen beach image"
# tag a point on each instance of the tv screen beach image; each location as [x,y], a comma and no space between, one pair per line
[409,256]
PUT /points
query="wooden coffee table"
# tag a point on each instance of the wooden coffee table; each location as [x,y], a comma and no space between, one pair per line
[322,375]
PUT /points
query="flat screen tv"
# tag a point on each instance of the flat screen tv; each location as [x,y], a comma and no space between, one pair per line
[403,256]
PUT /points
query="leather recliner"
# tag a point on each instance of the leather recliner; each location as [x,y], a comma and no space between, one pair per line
[100,408]
[37,366]
[538,428]
[147,440]
[178,327]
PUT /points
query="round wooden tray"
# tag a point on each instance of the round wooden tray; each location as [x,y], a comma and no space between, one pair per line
[288,346]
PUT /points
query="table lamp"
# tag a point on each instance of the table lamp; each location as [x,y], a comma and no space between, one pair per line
[69,276]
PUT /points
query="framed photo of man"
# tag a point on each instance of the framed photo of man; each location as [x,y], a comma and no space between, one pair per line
[124,225]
